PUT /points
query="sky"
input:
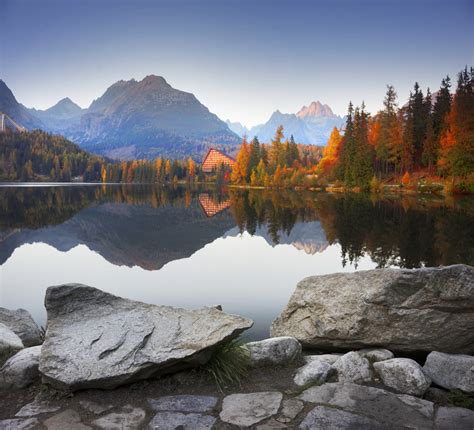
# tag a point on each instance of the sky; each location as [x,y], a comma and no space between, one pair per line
[243,59]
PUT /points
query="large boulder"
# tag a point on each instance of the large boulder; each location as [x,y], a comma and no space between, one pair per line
[276,351]
[451,371]
[21,370]
[95,339]
[404,375]
[22,324]
[10,343]
[403,310]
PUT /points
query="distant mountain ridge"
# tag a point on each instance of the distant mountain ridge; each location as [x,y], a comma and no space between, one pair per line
[132,119]
[311,125]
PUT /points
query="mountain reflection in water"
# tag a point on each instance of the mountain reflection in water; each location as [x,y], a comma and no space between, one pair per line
[217,243]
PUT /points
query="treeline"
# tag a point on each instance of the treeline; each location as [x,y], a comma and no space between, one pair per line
[160,170]
[430,134]
[282,163]
[37,154]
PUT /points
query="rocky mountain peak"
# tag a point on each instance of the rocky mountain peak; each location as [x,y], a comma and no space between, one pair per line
[315,109]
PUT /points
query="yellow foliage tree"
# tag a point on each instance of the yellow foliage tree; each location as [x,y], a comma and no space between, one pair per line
[240,167]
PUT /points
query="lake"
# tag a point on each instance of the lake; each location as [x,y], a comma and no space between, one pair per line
[242,249]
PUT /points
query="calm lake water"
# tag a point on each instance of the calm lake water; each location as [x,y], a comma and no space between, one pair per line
[245,250]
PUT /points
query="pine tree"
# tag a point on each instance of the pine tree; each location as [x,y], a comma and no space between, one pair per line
[441,108]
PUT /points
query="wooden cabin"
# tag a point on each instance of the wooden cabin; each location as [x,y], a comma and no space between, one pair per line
[213,158]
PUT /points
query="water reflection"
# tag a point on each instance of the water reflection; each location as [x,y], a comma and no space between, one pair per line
[191,247]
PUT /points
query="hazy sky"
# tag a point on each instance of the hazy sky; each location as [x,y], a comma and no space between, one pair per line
[242,59]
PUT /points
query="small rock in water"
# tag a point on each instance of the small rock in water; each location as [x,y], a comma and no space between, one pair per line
[351,367]
[21,370]
[404,375]
[290,409]
[37,407]
[249,409]
[276,350]
[68,419]
[22,324]
[315,372]
[451,371]
[127,417]
[179,420]
[183,403]
[10,343]
[376,354]
[19,424]
[328,358]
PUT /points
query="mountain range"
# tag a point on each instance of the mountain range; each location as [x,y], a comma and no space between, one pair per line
[310,125]
[150,118]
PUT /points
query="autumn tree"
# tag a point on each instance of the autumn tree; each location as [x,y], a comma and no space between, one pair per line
[331,153]
[240,167]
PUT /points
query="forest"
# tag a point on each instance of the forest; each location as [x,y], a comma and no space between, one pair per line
[430,138]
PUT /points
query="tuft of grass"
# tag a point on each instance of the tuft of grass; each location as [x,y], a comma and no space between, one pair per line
[229,363]
[461,399]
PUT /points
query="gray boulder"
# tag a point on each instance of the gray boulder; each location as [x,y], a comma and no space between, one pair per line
[97,340]
[451,371]
[21,370]
[351,367]
[315,372]
[373,407]
[404,375]
[276,350]
[429,309]
[10,343]
[22,324]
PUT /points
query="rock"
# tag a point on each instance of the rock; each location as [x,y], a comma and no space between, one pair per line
[37,407]
[183,403]
[389,409]
[403,375]
[454,418]
[250,409]
[21,370]
[290,410]
[451,371]
[97,340]
[403,310]
[128,418]
[376,354]
[323,417]
[315,372]
[178,420]
[94,407]
[276,350]
[10,343]
[19,424]
[68,419]
[23,325]
[327,358]
[351,367]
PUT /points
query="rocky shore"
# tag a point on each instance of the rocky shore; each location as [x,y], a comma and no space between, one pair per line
[340,357]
